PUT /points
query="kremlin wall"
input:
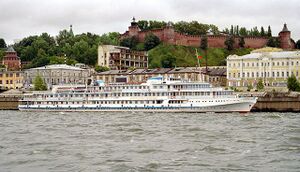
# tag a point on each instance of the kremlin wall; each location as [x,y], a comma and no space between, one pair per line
[170,36]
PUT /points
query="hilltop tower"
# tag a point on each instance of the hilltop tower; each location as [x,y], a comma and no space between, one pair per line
[285,38]
[133,28]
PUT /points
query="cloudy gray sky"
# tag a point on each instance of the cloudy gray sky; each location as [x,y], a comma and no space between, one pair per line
[21,18]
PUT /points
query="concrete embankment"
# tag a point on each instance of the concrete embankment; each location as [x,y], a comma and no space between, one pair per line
[9,102]
[278,102]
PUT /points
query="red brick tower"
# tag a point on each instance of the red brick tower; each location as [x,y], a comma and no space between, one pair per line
[285,38]
[134,28]
[11,60]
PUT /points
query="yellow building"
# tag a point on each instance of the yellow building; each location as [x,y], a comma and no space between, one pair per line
[273,66]
[11,80]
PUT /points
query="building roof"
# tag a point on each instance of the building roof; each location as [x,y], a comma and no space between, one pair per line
[215,71]
[10,49]
[57,66]
[285,29]
[283,54]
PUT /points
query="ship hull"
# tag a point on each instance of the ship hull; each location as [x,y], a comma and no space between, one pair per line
[243,106]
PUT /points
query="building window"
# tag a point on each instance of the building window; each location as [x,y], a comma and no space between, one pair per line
[239,75]
[287,63]
[282,63]
[252,74]
[282,74]
[277,63]
[0,81]
[292,63]
[278,74]
[257,74]
[287,74]
[273,74]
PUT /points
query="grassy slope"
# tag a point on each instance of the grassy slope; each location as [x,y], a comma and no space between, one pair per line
[185,56]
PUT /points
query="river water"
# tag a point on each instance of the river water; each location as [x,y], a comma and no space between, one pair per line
[95,141]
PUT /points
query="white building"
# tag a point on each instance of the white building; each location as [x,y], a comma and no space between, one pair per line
[57,75]
[272,67]
[116,57]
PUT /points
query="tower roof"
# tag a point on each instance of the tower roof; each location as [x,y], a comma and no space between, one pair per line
[285,29]
[10,49]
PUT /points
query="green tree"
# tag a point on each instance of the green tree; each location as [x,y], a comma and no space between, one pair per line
[130,42]
[151,41]
[273,42]
[231,30]
[1,54]
[243,31]
[2,43]
[101,68]
[168,61]
[143,25]
[269,33]
[293,84]
[242,42]
[229,42]
[262,32]
[298,44]
[111,38]
[39,84]
[203,44]
[260,85]
[255,32]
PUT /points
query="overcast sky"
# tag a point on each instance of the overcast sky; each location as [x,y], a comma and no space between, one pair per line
[21,18]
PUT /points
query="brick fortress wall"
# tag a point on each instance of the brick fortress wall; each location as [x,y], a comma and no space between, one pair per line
[169,35]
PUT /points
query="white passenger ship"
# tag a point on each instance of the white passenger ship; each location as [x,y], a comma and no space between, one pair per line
[156,95]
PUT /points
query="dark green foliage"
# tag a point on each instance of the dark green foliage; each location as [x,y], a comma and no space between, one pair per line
[39,84]
[242,42]
[151,41]
[168,61]
[130,42]
[42,49]
[260,85]
[2,43]
[203,44]
[111,38]
[262,32]
[242,31]
[293,84]
[229,42]
[101,68]
[2,53]
[269,33]
[273,42]
[62,60]
[298,44]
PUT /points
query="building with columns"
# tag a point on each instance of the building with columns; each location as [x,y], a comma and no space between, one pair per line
[58,74]
[120,58]
[273,67]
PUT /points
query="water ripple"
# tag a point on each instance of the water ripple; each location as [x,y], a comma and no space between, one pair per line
[149,141]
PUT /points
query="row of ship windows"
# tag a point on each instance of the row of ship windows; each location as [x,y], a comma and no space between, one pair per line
[138,94]
[125,87]
[263,74]
[211,101]
[265,64]
[101,102]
